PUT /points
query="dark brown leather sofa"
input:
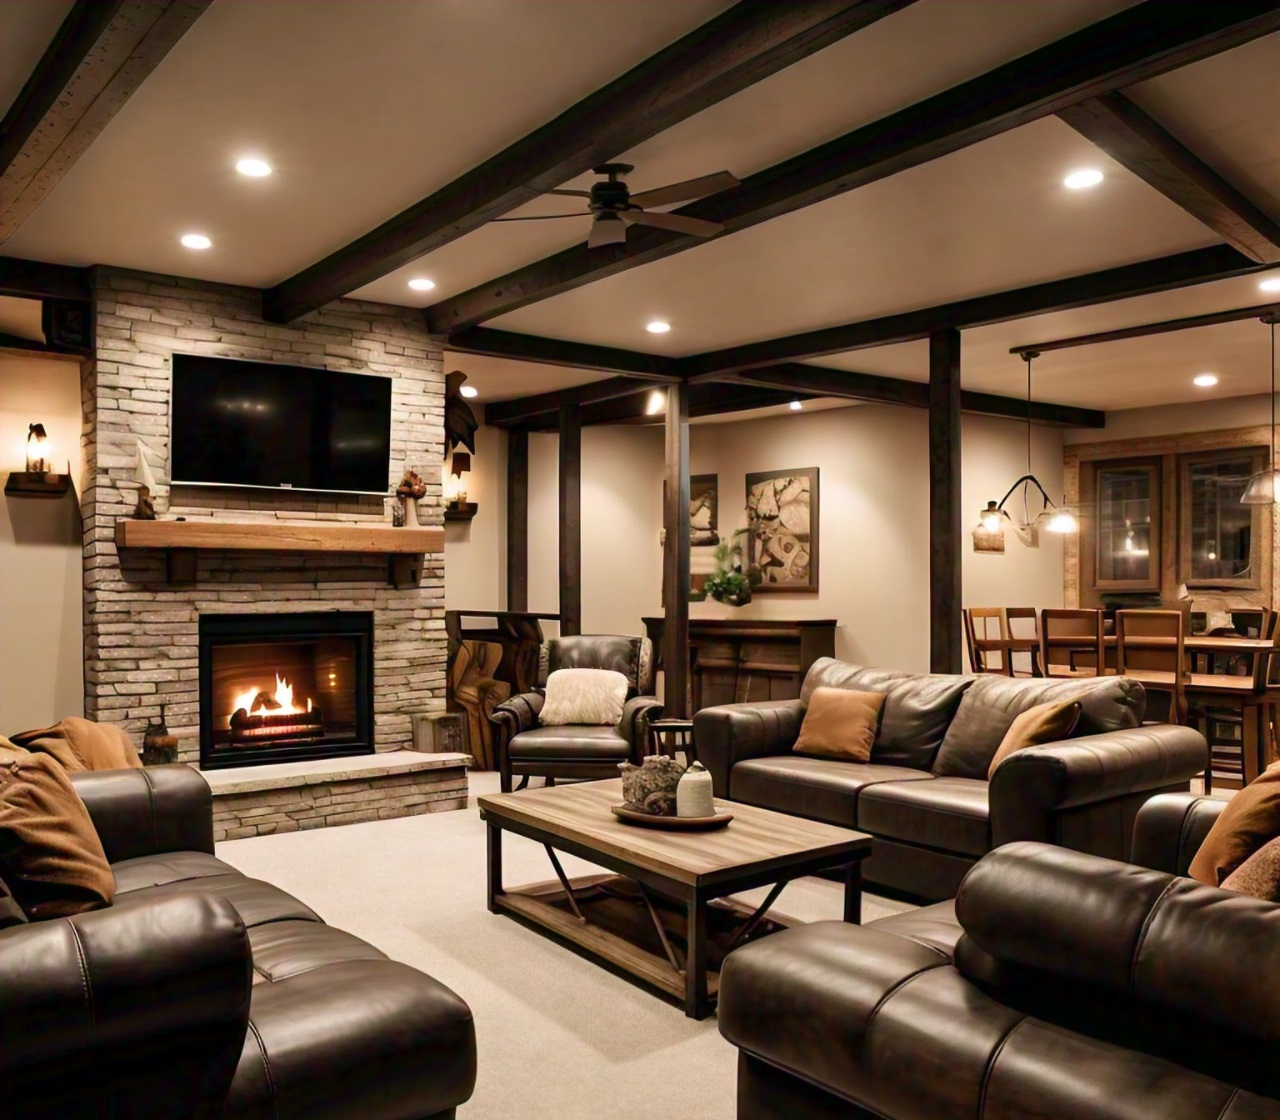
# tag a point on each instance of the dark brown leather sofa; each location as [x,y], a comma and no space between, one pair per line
[924,795]
[1060,985]
[204,993]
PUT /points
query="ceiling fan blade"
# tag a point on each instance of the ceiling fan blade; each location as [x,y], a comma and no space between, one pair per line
[572,194]
[607,229]
[677,223]
[539,217]
[682,192]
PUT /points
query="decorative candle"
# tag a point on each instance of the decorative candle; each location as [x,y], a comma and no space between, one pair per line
[693,794]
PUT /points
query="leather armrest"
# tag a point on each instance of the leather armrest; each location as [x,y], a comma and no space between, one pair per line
[138,974]
[1033,784]
[148,811]
[637,714]
[519,713]
[1170,829]
[726,735]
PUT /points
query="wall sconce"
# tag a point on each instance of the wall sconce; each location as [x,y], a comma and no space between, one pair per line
[39,480]
[457,508]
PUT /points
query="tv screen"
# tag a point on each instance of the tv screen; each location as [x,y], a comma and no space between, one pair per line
[236,423]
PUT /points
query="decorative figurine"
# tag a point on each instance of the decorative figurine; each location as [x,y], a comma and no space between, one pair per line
[411,490]
[158,746]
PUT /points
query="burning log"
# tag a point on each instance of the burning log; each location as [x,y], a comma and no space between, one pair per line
[260,727]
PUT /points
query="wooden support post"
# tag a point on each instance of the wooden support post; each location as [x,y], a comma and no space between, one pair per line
[944,502]
[570,520]
[518,521]
[675,557]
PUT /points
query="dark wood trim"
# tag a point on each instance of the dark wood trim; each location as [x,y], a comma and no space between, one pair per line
[704,400]
[1166,326]
[517,521]
[1050,415]
[1141,144]
[559,352]
[1180,270]
[675,557]
[506,414]
[945,524]
[1138,43]
[101,54]
[736,49]
[25,279]
[570,521]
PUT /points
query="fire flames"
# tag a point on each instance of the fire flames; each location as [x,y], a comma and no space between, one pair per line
[280,703]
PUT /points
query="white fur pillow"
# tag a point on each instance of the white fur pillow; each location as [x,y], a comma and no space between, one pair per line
[593,696]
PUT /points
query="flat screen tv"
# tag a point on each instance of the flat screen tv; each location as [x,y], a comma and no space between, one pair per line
[235,423]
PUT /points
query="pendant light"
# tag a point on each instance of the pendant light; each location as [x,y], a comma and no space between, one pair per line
[1053,519]
[1262,489]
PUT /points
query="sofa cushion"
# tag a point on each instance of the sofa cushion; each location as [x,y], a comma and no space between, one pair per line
[947,813]
[993,703]
[918,707]
[935,927]
[1251,818]
[257,902]
[840,723]
[584,696]
[820,788]
[1044,723]
[1259,875]
[569,742]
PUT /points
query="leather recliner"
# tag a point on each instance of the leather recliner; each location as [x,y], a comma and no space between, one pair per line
[528,748]
[204,993]
[1059,984]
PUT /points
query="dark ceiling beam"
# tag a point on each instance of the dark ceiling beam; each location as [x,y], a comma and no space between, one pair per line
[1138,43]
[1198,266]
[1166,326]
[741,46]
[1142,145]
[505,414]
[101,54]
[558,352]
[25,279]
[1041,412]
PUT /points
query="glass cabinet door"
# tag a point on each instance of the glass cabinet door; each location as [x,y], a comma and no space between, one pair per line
[1127,526]
[1217,534]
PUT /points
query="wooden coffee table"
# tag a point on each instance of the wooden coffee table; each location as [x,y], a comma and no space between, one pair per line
[657,919]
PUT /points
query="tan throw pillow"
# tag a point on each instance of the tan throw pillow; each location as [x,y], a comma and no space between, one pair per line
[1259,875]
[50,854]
[840,723]
[1044,723]
[81,744]
[1251,818]
[584,696]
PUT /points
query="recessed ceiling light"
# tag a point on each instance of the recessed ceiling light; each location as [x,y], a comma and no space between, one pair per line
[469,391]
[1205,380]
[421,284]
[254,168]
[796,406]
[656,403]
[1085,177]
[657,326]
[196,241]
[1272,284]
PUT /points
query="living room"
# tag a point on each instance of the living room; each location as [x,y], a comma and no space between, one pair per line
[337,510]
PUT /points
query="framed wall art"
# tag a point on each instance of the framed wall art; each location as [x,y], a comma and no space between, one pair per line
[782,530]
[704,505]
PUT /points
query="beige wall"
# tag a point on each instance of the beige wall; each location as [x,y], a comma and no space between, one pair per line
[42,654]
[1172,419]
[475,551]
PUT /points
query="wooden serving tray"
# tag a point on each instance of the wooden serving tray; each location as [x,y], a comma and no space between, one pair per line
[677,824]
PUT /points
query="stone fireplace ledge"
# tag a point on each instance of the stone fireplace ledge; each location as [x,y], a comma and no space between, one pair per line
[281,775]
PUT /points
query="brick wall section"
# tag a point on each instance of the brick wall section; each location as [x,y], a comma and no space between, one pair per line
[140,632]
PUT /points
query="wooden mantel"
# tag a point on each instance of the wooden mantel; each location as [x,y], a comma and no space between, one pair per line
[182,539]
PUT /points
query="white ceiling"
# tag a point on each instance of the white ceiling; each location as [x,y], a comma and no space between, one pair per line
[365,106]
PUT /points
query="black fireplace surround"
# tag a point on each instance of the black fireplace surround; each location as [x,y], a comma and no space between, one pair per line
[285,687]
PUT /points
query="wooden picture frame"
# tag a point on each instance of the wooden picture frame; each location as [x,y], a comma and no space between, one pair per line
[704,510]
[782,531]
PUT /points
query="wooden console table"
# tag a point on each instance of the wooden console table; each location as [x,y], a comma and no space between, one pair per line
[736,662]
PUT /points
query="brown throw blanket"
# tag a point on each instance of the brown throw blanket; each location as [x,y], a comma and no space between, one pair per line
[81,744]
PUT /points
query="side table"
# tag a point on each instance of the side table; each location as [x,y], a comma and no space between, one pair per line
[666,736]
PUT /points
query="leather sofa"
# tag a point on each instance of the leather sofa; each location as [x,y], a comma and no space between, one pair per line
[203,993]
[924,795]
[526,748]
[1059,985]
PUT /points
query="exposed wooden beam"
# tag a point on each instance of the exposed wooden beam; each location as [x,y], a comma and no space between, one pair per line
[512,413]
[1166,326]
[739,47]
[37,280]
[1197,266]
[570,520]
[675,557]
[1138,43]
[558,352]
[102,53]
[1048,415]
[517,521]
[1142,145]
[945,523]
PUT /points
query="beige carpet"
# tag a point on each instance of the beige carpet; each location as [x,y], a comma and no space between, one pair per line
[559,1038]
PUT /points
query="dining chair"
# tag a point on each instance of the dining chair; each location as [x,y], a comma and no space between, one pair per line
[1022,629]
[986,634]
[1071,642]
[1232,706]
[1150,648]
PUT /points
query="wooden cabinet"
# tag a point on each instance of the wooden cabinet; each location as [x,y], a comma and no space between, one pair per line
[734,662]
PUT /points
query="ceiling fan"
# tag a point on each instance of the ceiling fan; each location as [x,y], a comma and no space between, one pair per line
[613,207]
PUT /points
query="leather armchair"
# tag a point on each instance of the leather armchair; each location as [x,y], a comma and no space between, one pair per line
[526,747]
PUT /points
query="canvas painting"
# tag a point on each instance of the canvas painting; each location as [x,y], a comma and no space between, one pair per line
[703,510]
[782,530]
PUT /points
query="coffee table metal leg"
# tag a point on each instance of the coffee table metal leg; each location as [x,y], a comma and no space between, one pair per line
[494,885]
[853,892]
[697,1005]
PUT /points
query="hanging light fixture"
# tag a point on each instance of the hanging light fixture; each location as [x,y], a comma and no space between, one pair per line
[1053,519]
[1262,489]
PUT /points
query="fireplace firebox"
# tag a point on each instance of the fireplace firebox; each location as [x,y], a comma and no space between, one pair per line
[285,687]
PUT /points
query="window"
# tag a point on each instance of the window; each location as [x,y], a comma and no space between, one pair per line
[1127,537]
[1217,544]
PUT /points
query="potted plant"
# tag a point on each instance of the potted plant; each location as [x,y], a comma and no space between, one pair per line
[729,584]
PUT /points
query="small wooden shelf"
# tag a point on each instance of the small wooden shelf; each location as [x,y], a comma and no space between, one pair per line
[182,539]
[22,484]
[460,511]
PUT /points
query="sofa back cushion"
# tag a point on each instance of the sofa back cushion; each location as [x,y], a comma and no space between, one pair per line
[632,657]
[989,708]
[917,707]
